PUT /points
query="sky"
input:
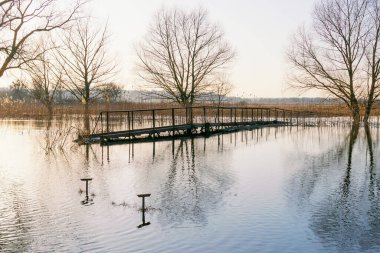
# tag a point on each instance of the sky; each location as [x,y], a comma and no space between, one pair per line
[259,31]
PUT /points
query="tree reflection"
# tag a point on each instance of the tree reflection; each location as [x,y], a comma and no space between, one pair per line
[193,186]
[345,214]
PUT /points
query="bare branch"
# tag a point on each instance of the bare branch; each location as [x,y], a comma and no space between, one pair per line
[181,55]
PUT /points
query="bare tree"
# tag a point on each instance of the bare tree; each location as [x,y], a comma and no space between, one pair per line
[84,61]
[109,92]
[181,54]
[331,56]
[19,90]
[221,89]
[46,77]
[21,21]
[373,58]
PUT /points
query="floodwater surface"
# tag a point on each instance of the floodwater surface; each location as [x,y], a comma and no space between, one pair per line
[284,189]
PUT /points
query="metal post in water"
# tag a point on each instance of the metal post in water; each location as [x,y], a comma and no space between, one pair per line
[143,196]
[143,210]
[86,180]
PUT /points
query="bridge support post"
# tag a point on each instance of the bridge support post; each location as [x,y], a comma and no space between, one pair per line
[173,121]
[154,119]
[204,114]
[107,122]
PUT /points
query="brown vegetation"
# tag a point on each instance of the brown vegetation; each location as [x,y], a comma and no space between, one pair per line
[37,110]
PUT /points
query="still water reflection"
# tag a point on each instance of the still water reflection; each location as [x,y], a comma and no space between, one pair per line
[267,190]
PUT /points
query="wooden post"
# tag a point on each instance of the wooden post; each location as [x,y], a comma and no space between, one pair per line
[217,115]
[261,112]
[173,120]
[204,114]
[101,120]
[191,115]
[222,115]
[251,114]
[186,115]
[230,115]
[257,114]
[242,115]
[154,119]
[132,119]
[235,115]
[107,122]
[129,121]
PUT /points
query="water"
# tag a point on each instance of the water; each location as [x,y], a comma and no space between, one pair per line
[269,190]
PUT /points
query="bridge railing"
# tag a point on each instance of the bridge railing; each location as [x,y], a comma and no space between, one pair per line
[126,120]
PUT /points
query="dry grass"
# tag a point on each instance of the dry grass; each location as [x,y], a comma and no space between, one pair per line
[31,110]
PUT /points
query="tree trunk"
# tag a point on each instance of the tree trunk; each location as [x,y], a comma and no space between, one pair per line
[355,111]
[368,110]
[86,119]
[50,110]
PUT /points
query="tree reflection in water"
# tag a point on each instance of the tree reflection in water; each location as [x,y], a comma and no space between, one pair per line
[343,214]
[193,186]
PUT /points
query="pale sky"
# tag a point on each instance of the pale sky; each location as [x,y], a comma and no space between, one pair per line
[259,30]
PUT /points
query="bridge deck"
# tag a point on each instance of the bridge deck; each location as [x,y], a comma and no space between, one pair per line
[148,124]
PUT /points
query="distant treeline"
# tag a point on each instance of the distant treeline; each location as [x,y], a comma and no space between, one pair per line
[64,96]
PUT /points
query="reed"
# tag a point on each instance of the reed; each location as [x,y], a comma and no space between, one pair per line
[19,109]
